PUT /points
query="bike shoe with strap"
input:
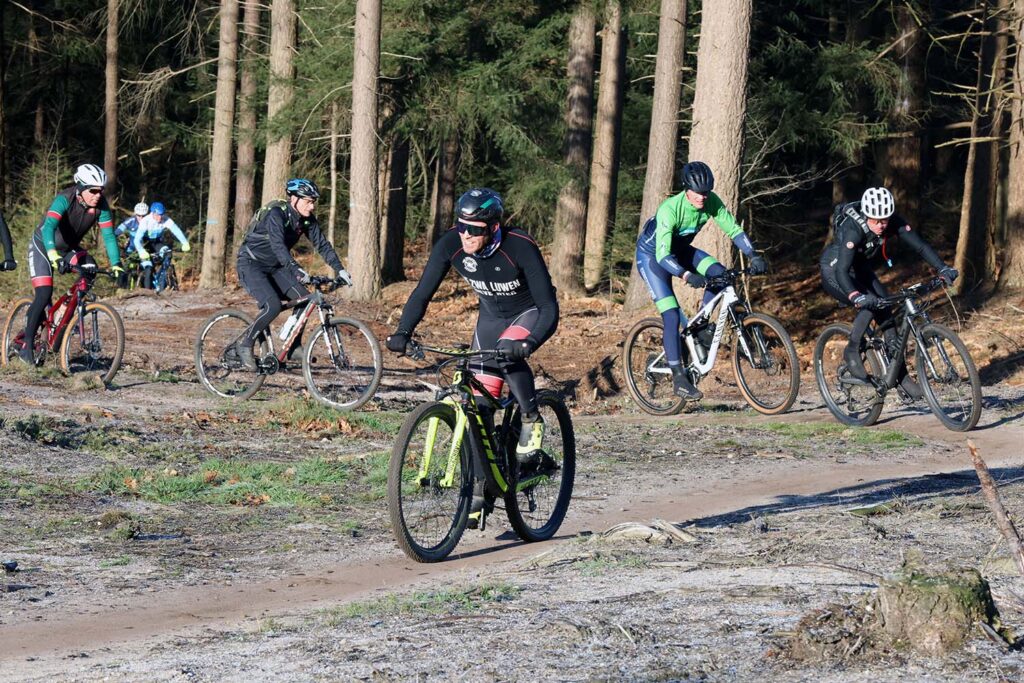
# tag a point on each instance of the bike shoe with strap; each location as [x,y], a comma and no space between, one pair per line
[911,387]
[26,356]
[531,441]
[681,385]
[245,356]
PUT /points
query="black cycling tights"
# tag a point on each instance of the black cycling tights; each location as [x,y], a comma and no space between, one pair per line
[36,312]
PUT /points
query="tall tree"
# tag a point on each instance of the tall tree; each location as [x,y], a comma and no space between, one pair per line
[332,213]
[219,202]
[442,201]
[393,203]
[1012,274]
[4,149]
[571,213]
[245,175]
[661,145]
[278,160]
[364,220]
[604,168]
[719,105]
[110,98]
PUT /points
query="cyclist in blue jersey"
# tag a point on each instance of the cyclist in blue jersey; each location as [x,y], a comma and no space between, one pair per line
[151,233]
[665,249]
[129,227]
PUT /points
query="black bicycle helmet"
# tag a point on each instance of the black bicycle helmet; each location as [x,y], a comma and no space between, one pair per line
[480,205]
[697,176]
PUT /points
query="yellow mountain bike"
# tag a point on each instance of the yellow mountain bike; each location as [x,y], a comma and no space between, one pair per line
[448,444]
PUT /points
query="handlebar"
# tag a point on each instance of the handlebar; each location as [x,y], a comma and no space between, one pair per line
[326,283]
[917,291]
[417,351]
[727,278]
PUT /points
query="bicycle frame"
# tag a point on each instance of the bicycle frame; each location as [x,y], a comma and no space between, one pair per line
[728,299]
[909,322]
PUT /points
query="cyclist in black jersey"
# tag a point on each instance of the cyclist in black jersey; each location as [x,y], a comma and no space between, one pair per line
[866,233]
[518,308]
[5,241]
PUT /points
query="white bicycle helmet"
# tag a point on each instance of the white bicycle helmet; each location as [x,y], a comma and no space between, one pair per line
[877,202]
[141,209]
[90,175]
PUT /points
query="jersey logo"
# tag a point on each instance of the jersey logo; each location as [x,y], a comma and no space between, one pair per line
[469,263]
[849,245]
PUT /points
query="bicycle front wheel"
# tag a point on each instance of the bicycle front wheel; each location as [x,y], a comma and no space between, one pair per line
[342,364]
[648,378]
[948,377]
[93,342]
[767,370]
[536,504]
[10,342]
[430,485]
[217,365]
[852,404]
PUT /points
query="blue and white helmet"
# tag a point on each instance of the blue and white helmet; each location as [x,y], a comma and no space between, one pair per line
[300,187]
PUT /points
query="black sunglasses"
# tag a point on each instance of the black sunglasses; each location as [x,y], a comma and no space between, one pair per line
[473,229]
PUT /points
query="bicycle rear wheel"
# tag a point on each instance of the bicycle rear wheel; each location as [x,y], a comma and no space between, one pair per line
[172,277]
[14,327]
[852,404]
[342,364]
[219,370]
[949,379]
[648,378]
[769,377]
[94,343]
[430,486]
[537,504]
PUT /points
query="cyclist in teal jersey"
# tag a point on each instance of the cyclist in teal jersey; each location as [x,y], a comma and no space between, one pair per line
[5,241]
[665,249]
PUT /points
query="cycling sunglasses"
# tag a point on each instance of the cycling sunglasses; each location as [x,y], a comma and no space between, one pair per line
[474,228]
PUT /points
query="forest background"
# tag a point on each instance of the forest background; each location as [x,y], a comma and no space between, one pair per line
[580,113]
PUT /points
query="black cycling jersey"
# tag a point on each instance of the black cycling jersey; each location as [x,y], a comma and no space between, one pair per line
[508,282]
[275,229]
[5,240]
[855,247]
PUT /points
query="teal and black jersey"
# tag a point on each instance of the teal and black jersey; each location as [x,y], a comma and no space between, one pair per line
[68,220]
[5,240]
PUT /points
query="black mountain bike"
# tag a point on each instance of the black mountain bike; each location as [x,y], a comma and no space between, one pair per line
[944,368]
[446,445]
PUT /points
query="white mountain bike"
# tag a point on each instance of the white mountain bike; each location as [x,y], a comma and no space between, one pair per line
[763,357]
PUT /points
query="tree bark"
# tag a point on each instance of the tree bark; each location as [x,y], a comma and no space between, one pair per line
[1012,274]
[442,202]
[219,201]
[719,105]
[278,159]
[332,215]
[661,145]
[364,221]
[245,177]
[392,234]
[4,151]
[974,249]
[604,168]
[110,99]
[571,212]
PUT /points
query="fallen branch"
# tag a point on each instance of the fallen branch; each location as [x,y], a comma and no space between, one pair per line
[1003,521]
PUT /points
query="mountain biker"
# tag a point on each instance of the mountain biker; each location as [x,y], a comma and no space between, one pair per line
[150,233]
[518,308]
[866,233]
[265,265]
[129,227]
[664,249]
[54,244]
[5,241]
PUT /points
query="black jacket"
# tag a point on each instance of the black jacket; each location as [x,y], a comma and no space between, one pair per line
[275,229]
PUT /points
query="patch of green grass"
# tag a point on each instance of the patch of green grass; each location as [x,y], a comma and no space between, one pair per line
[375,475]
[121,561]
[602,563]
[165,376]
[422,603]
[863,436]
[308,483]
[300,412]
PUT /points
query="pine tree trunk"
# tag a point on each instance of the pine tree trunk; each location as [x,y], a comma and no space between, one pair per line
[604,168]
[901,160]
[219,200]
[974,250]
[571,212]
[442,204]
[392,234]
[719,105]
[849,184]
[364,222]
[1012,274]
[5,156]
[332,216]
[661,144]
[278,160]
[110,99]
[245,178]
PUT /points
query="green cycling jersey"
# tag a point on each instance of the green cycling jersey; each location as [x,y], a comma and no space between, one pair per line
[677,217]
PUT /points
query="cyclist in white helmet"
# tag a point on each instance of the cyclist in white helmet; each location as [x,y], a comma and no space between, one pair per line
[129,227]
[865,234]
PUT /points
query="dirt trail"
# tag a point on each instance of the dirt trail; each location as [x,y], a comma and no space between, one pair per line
[27,647]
